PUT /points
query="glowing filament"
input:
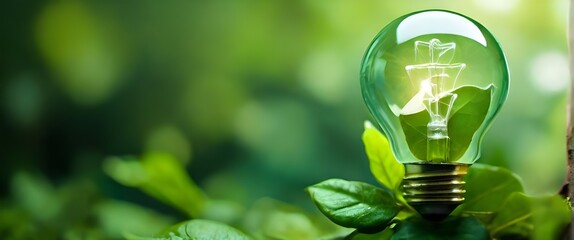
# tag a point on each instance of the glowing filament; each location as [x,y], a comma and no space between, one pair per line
[436,76]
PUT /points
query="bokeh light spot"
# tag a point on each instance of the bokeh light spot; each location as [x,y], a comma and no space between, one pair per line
[323,74]
[497,6]
[82,51]
[550,72]
[170,140]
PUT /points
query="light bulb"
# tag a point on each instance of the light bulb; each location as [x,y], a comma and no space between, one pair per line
[434,80]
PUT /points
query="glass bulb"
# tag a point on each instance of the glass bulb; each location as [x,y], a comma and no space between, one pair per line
[434,80]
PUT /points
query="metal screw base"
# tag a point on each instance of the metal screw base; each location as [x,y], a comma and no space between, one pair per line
[434,189]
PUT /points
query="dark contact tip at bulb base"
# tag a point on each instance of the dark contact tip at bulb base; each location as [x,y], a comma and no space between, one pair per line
[434,189]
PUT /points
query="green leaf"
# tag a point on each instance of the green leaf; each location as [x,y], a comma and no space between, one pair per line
[37,196]
[514,217]
[117,218]
[383,235]
[386,169]
[272,219]
[487,187]
[197,229]
[354,204]
[496,195]
[532,217]
[551,215]
[459,228]
[467,114]
[161,176]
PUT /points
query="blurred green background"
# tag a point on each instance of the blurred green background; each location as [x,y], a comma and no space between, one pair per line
[259,98]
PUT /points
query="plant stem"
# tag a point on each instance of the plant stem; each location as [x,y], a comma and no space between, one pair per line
[570,112]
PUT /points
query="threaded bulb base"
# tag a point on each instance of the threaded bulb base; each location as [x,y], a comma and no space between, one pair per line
[434,189]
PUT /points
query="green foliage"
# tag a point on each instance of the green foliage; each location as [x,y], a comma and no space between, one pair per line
[117,218]
[382,235]
[550,216]
[457,228]
[72,210]
[354,204]
[513,217]
[467,114]
[386,169]
[161,176]
[266,219]
[487,187]
[271,219]
[539,217]
[496,197]
[197,229]
[495,204]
